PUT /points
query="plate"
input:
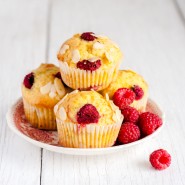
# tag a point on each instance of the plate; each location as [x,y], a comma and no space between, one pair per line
[49,139]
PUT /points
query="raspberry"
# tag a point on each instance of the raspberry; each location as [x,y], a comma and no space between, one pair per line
[160,159]
[130,114]
[88,36]
[149,122]
[88,114]
[89,66]
[128,133]
[28,80]
[58,75]
[138,91]
[123,97]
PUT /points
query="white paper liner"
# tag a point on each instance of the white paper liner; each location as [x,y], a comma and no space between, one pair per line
[85,80]
[88,136]
[42,118]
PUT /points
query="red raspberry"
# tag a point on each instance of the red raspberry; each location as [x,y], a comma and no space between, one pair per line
[160,159]
[58,75]
[128,133]
[149,122]
[123,97]
[130,114]
[88,36]
[89,66]
[138,91]
[28,80]
[88,114]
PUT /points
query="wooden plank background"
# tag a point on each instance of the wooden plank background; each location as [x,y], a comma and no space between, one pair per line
[151,35]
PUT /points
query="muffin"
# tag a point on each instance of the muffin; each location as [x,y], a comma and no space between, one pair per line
[88,61]
[41,90]
[85,119]
[133,83]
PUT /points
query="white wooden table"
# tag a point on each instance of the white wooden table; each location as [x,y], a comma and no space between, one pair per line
[151,33]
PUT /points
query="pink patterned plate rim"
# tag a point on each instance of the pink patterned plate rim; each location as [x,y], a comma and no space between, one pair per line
[49,139]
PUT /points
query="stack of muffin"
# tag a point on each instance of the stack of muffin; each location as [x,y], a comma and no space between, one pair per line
[83,98]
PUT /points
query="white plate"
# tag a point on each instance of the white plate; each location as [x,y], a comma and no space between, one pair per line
[151,106]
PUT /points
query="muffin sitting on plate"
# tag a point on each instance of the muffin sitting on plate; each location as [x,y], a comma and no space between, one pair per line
[129,89]
[85,119]
[88,61]
[41,90]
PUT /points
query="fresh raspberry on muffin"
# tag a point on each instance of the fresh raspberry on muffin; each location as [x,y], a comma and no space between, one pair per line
[123,97]
[89,66]
[85,119]
[28,80]
[130,114]
[46,91]
[149,122]
[88,36]
[129,132]
[85,53]
[88,114]
[160,159]
[129,79]
[138,92]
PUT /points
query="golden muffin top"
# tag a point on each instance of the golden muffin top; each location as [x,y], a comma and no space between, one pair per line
[85,107]
[88,47]
[43,86]
[125,79]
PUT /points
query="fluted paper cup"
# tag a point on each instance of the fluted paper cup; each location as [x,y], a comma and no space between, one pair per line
[88,136]
[40,117]
[86,80]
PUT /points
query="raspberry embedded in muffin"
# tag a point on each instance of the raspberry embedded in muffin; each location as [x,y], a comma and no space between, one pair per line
[28,80]
[85,119]
[133,81]
[47,90]
[88,114]
[89,66]
[85,53]
[138,92]
[88,36]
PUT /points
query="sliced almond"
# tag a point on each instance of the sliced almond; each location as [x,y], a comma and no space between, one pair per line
[98,45]
[46,88]
[74,92]
[63,49]
[109,56]
[99,36]
[107,96]
[59,87]
[94,59]
[52,94]
[114,117]
[115,44]
[112,50]
[75,56]
[57,105]
[53,89]
[62,113]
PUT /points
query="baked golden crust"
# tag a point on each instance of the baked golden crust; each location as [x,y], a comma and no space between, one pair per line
[72,103]
[76,49]
[92,135]
[127,79]
[43,75]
